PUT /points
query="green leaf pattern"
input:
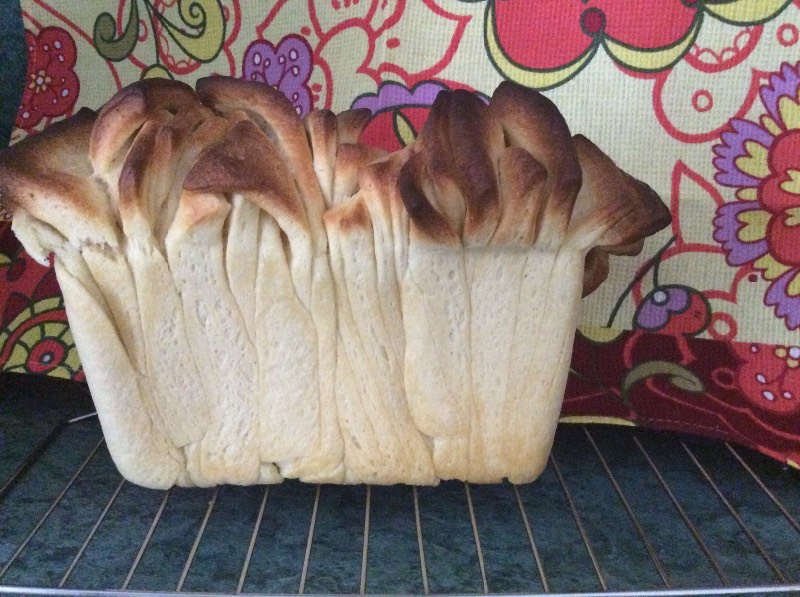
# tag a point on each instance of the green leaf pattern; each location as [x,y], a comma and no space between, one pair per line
[679,376]
[200,34]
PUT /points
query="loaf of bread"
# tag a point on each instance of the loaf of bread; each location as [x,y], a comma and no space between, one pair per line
[255,296]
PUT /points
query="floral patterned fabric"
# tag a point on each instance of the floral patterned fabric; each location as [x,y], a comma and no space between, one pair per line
[699,98]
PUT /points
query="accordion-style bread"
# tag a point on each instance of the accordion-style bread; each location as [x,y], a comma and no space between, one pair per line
[257,296]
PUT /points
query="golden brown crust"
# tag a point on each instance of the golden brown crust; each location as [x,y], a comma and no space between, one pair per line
[321,130]
[350,159]
[49,176]
[595,270]
[226,94]
[467,148]
[351,123]
[615,210]
[199,208]
[153,142]
[269,109]
[159,158]
[246,161]
[533,122]
[63,146]
[523,195]
[349,217]
[127,110]
[434,142]
[476,142]
[61,149]
[416,189]
[512,172]
[321,126]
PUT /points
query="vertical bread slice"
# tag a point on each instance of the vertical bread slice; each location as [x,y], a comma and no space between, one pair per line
[142,455]
[382,444]
[493,254]
[532,122]
[50,175]
[293,338]
[436,297]
[337,154]
[241,263]
[143,105]
[154,169]
[276,118]
[321,130]
[225,356]
[123,115]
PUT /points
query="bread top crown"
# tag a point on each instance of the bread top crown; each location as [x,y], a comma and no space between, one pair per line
[507,173]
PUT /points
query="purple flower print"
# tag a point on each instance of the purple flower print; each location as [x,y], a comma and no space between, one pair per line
[673,309]
[286,67]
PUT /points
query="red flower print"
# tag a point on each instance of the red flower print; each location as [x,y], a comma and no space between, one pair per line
[554,33]
[542,44]
[51,86]
[770,377]
[46,355]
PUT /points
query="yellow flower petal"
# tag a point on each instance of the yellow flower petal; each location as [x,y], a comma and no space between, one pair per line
[403,128]
[19,356]
[755,225]
[601,335]
[745,12]
[770,125]
[790,112]
[747,194]
[755,162]
[655,59]
[792,216]
[793,289]
[770,267]
[793,184]
[530,77]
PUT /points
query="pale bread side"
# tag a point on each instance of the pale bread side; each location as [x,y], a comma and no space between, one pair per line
[153,169]
[298,419]
[382,445]
[141,454]
[225,357]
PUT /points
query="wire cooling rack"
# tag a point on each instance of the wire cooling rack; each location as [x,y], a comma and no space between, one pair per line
[617,511]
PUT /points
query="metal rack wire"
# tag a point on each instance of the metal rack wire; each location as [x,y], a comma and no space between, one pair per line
[618,511]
